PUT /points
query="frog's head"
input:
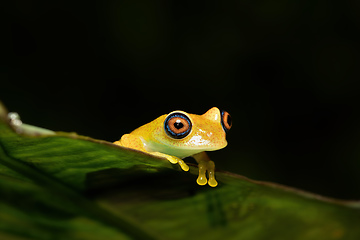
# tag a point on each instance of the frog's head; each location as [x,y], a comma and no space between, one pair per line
[195,133]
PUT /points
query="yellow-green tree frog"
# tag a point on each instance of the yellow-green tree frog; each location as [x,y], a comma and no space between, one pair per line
[178,134]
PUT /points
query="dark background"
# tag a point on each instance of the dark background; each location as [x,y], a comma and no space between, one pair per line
[287,71]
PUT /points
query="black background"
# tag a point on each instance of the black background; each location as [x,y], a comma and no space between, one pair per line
[287,71]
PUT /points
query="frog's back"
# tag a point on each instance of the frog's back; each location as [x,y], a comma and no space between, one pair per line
[146,131]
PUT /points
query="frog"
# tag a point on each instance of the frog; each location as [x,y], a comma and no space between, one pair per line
[178,134]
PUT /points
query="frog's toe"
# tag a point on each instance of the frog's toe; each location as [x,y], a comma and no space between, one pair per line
[211,171]
[183,165]
[212,182]
[175,160]
[201,180]
[172,159]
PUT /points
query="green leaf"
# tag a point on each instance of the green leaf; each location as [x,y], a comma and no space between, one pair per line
[65,186]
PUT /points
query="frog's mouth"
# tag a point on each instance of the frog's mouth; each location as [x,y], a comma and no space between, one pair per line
[207,144]
[217,147]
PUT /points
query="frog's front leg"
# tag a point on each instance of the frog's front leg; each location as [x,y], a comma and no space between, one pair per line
[205,164]
[172,159]
[134,142]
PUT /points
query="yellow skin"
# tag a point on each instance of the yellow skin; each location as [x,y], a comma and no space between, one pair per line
[207,134]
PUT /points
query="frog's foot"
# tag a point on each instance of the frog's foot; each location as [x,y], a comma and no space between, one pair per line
[173,160]
[208,166]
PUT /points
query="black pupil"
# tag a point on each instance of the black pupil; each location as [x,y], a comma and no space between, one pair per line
[178,124]
[228,120]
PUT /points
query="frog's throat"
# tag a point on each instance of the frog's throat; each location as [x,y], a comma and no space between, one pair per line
[180,152]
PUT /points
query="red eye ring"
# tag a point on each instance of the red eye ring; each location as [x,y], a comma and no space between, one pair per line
[226,120]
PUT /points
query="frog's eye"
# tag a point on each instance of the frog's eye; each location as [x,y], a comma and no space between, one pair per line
[226,121]
[177,125]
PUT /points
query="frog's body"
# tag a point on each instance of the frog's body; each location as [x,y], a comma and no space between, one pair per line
[178,135]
